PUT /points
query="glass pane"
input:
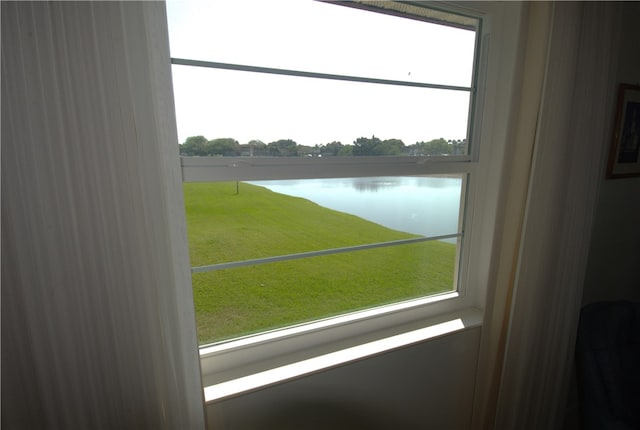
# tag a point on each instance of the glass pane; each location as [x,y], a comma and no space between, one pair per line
[321,37]
[423,206]
[235,302]
[314,113]
[240,221]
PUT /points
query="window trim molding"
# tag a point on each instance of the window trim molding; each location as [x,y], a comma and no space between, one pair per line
[251,354]
[256,379]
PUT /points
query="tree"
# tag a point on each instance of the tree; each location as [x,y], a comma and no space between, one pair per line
[225,146]
[345,151]
[375,146]
[433,147]
[256,147]
[307,151]
[330,149]
[365,146]
[194,146]
[283,148]
[390,147]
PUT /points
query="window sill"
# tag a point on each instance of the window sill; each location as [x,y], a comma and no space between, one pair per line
[431,329]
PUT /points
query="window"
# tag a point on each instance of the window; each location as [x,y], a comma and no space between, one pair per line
[335,195]
[344,245]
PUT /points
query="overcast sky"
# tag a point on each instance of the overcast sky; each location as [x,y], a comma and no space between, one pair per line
[313,36]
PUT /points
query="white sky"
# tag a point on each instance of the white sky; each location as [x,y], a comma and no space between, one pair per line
[313,36]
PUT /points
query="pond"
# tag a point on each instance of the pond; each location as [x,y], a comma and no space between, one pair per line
[427,206]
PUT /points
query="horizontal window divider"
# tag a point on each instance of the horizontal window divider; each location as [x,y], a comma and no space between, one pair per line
[364,160]
[288,257]
[215,169]
[302,74]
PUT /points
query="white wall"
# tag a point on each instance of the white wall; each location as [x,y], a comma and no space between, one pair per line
[429,384]
[613,271]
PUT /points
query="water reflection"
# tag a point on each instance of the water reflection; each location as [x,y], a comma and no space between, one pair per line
[426,206]
[373,184]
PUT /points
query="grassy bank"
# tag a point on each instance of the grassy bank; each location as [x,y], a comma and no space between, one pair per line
[224,226]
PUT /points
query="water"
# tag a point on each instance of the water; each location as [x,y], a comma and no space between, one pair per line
[427,206]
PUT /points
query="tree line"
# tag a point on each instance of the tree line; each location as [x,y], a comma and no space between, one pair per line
[362,146]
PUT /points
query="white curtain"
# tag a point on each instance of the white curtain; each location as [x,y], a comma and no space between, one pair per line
[97,313]
[529,332]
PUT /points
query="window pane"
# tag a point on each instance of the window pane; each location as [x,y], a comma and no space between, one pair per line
[229,222]
[248,106]
[321,37]
[235,302]
[268,254]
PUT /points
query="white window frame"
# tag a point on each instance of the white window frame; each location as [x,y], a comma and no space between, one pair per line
[237,366]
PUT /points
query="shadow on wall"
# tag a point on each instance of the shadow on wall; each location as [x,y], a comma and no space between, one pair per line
[316,415]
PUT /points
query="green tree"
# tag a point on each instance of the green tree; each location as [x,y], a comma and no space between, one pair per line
[225,146]
[390,147]
[307,151]
[330,149]
[256,147]
[194,146]
[345,151]
[433,147]
[283,148]
[375,146]
[365,146]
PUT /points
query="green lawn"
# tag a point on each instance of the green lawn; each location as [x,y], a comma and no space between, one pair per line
[224,226]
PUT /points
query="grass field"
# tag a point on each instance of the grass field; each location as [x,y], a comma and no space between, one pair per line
[224,226]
